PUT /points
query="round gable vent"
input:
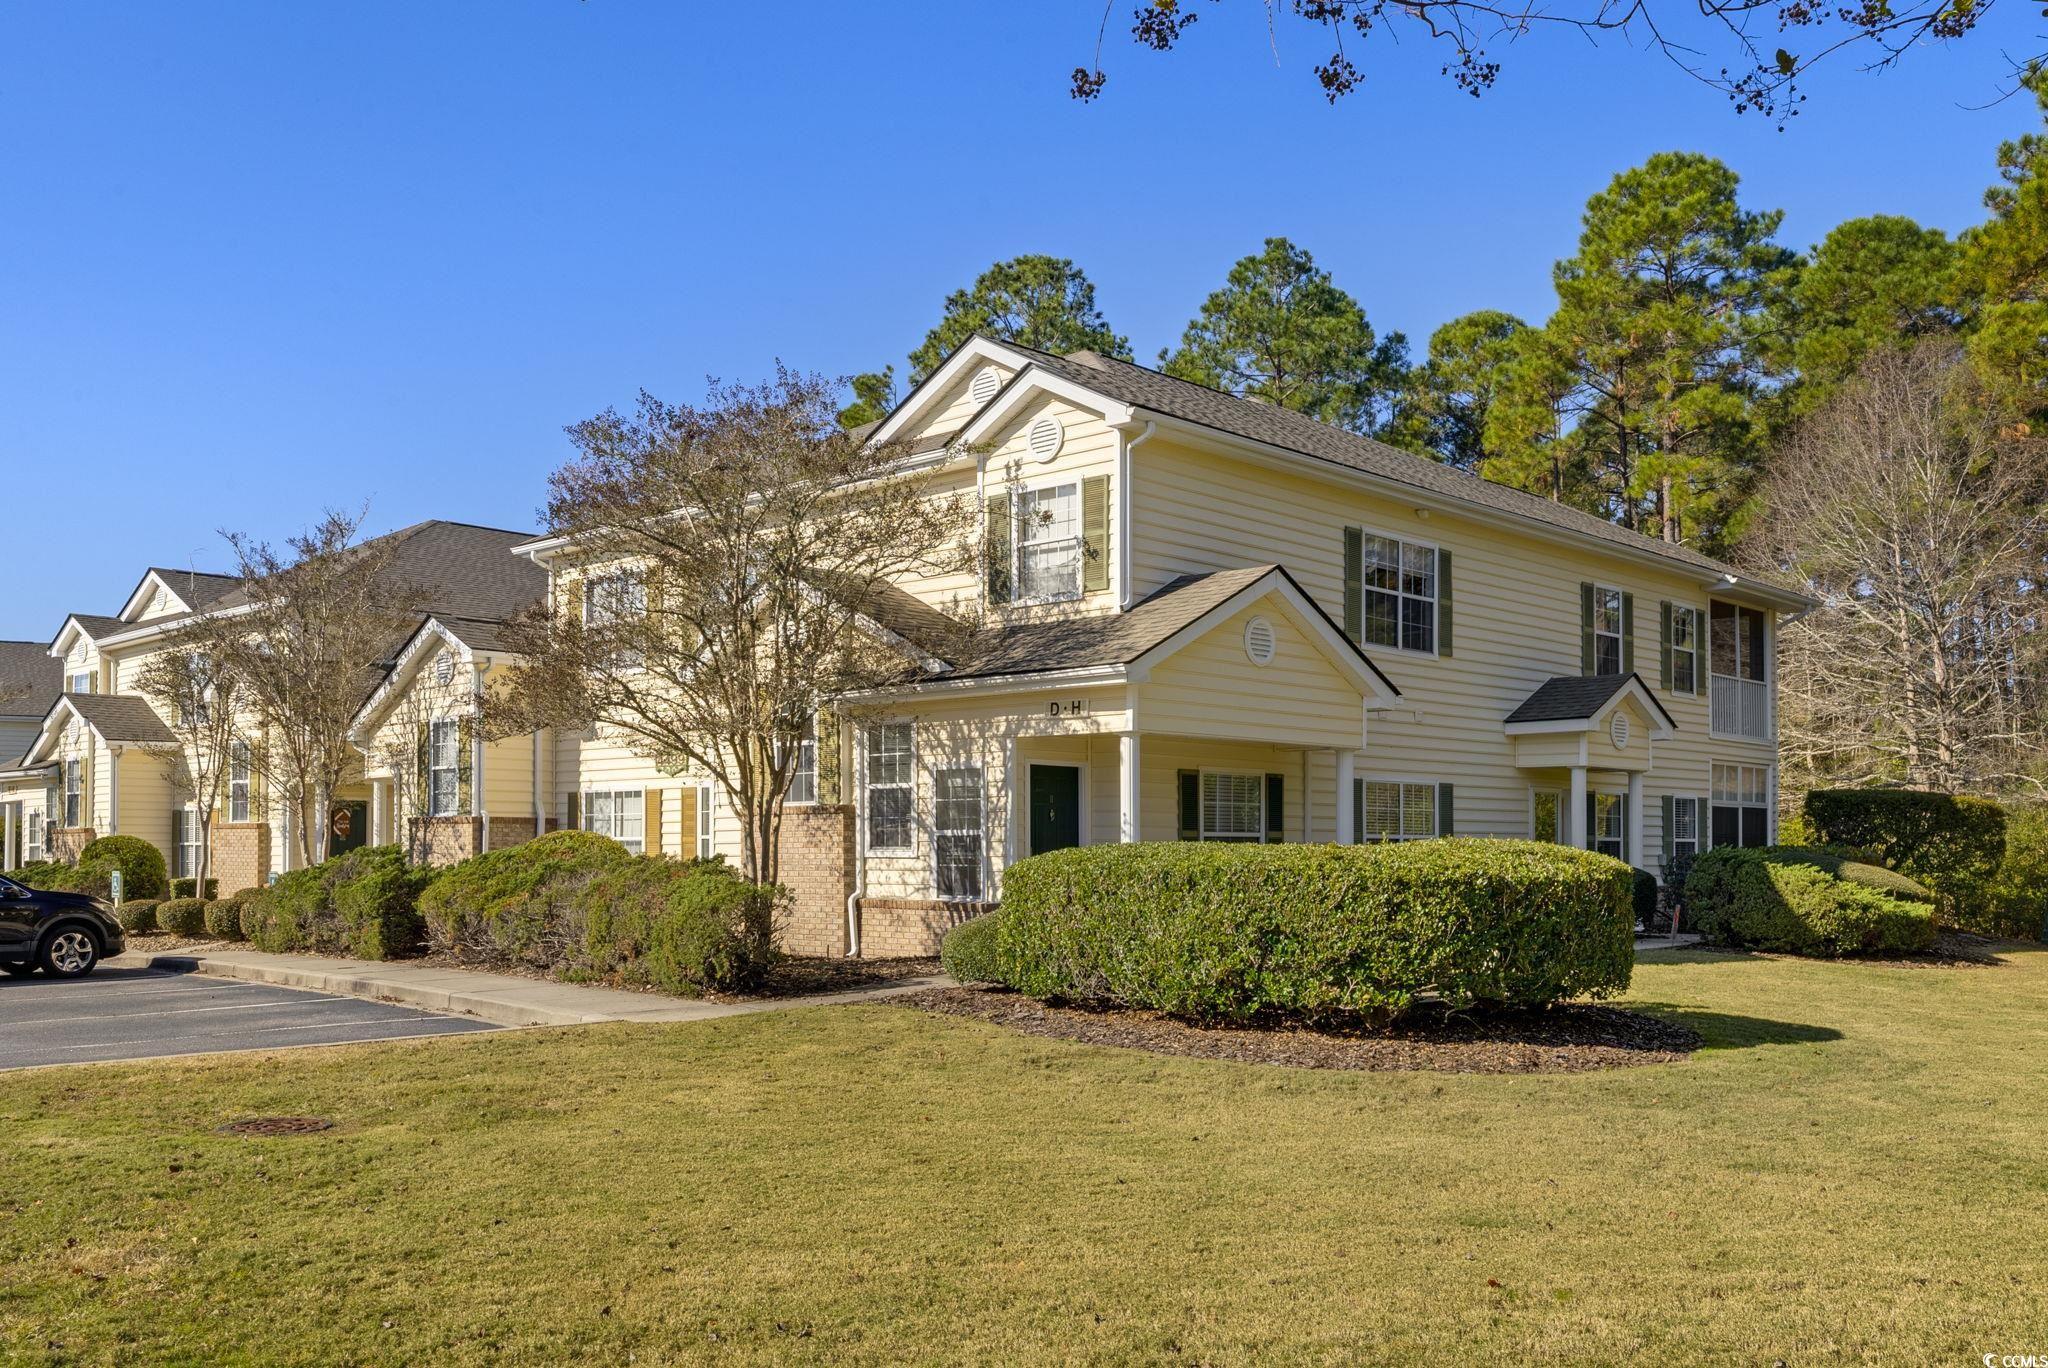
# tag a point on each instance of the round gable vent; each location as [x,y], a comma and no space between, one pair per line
[984,385]
[1259,641]
[1046,437]
[1617,731]
[444,667]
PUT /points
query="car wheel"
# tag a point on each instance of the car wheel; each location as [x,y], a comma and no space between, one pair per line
[17,968]
[69,952]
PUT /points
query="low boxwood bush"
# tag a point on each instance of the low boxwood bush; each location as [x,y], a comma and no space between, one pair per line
[2019,892]
[182,916]
[1220,932]
[141,864]
[137,916]
[1802,901]
[362,903]
[223,920]
[968,952]
[52,876]
[1950,843]
[517,904]
[189,888]
[679,926]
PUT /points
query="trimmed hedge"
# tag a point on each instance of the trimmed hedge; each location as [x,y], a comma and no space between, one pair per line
[1951,843]
[517,904]
[189,888]
[137,916]
[1806,902]
[679,926]
[363,903]
[182,916]
[1219,932]
[968,952]
[143,874]
[2018,895]
[50,876]
[223,920]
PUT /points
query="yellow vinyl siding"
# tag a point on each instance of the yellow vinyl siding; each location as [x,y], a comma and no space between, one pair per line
[1211,688]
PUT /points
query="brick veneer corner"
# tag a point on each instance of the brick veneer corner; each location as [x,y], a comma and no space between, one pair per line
[241,856]
[817,869]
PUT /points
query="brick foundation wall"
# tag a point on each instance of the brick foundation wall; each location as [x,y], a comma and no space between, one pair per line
[890,927]
[241,856]
[441,841]
[67,842]
[817,869]
[510,831]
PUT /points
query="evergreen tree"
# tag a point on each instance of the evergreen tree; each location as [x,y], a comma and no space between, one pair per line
[874,394]
[1281,330]
[1445,405]
[1882,279]
[1036,301]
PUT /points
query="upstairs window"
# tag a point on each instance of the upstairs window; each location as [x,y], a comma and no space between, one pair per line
[81,682]
[1048,566]
[611,602]
[1685,650]
[1607,631]
[238,781]
[803,777]
[1399,585]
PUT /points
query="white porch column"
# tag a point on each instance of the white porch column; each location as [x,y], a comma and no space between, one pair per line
[1127,787]
[7,835]
[1347,812]
[1571,825]
[477,806]
[113,791]
[1635,818]
[379,809]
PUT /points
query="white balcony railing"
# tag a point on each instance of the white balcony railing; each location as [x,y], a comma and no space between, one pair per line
[1741,707]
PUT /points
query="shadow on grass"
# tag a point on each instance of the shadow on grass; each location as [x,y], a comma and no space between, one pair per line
[1727,1031]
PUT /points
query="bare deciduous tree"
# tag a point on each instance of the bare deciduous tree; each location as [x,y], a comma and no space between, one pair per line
[1919,522]
[734,559]
[195,693]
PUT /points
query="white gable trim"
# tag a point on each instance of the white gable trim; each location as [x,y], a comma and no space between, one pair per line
[1660,720]
[1029,385]
[1341,654]
[412,658]
[976,351]
[151,582]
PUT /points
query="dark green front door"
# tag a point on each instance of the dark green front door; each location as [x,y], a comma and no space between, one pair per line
[1055,807]
[348,826]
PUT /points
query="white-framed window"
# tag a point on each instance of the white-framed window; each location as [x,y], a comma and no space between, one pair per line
[618,813]
[1685,827]
[238,781]
[1233,806]
[1741,805]
[803,776]
[35,846]
[959,841]
[74,792]
[444,767]
[1048,543]
[707,800]
[1610,825]
[1393,810]
[612,599]
[81,682]
[891,788]
[1546,815]
[1607,630]
[1685,650]
[185,843]
[1739,658]
[1398,581]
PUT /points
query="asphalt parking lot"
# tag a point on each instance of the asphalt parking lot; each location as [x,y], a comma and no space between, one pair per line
[121,1013]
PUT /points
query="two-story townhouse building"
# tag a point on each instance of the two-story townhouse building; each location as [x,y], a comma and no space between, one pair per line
[1200,617]
[29,683]
[96,763]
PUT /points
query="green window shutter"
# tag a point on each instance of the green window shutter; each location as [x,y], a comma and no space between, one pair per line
[1664,635]
[426,759]
[1628,633]
[575,801]
[463,803]
[1276,809]
[1354,583]
[1095,533]
[1446,810]
[1585,628]
[1621,804]
[1704,823]
[996,549]
[1443,602]
[1358,812]
[1670,833]
[1592,841]
[1190,805]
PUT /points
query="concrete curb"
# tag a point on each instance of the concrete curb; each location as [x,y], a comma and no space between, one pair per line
[500,999]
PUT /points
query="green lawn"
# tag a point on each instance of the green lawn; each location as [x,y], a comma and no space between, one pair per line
[1857,1168]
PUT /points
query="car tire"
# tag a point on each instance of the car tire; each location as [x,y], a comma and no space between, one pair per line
[17,968]
[69,951]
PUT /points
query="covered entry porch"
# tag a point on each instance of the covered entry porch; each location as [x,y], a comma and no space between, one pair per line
[1586,745]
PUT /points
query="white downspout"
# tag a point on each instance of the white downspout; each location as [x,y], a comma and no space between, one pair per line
[860,844]
[1123,514]
[113,791]
[539,809]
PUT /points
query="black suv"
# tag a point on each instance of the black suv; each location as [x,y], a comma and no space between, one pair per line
[63,934]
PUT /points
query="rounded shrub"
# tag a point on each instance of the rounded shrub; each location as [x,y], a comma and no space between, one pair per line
[182,916]
[189,888]
[1804,902]
[1950,843]
[362,902]
[1235,932]
[968,952]
[137,916]
[2019,893]
[679,926]
[223,920]
[518,903]
[143,874]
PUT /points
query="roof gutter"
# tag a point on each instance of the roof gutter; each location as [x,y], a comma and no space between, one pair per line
[993,684]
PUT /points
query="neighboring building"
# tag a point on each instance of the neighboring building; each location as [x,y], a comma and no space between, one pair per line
[95,763]
[29,684]
[1209,618]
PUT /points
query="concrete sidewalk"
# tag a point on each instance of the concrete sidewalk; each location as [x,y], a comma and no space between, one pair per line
[504,999]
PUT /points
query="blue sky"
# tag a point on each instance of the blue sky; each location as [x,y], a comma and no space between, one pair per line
[259,260]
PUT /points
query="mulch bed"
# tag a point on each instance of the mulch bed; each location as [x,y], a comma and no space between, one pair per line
[1573,1038]
[806,975]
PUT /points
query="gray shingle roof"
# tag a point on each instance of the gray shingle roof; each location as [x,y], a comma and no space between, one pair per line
[1576,698]
[479,634]
[30,679]
[98,625]
[1282,427]
[121,717]
[199,588]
